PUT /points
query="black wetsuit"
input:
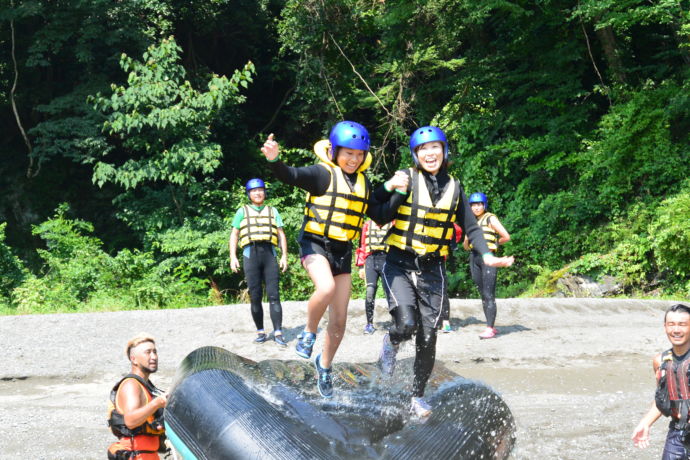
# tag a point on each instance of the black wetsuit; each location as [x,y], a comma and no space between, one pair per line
[445,312]
[261,265]
[415,286]
[373,270]
[485,279]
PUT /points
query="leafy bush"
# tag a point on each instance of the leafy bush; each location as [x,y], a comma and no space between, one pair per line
[73,260]
[78,275]
[670,234]
[647,247]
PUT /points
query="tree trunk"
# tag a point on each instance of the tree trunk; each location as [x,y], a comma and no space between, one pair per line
[608,43]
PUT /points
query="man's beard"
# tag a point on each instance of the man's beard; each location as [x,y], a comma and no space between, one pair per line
[148,369]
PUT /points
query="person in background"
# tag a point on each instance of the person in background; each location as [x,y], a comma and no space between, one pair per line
[445,312]
[414,273]
[672,398]
[259,230]
[484,276]
[371,256]
[136,405]
[339,199]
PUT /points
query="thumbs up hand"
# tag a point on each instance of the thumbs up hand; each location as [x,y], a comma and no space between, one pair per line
[271,149]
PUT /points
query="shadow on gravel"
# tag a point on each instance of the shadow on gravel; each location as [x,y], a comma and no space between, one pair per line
[505,330]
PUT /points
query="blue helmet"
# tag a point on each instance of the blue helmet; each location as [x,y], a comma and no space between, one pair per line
[479,197]
[254,183]
[428,134]
[348,134]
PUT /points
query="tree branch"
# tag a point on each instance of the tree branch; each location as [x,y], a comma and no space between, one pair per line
[277,111]
[359,75]
[29,172]
[591,57]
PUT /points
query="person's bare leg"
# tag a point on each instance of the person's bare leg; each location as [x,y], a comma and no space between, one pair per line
[319,271]
[337,318]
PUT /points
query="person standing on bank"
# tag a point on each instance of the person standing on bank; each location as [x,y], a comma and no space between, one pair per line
[339,199]
[484,276]
[672,397]
[259,230]
[371,254]
[136,405]
[445,326]
[414,273]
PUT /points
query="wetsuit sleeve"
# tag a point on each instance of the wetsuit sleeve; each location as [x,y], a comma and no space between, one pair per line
[469,226]
[314,179]
[381,194]
[383,205]
[239,216]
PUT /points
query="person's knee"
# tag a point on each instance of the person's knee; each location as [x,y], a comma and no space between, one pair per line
[336,328]
[273,295]
[426,337]
[325,287]
[406,328]
[255,302]
[337,325]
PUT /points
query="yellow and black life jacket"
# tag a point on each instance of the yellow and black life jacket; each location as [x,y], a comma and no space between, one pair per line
[339,213]
[375,238]
[672,396]
[258,226]
[422,227]
[490,235]
[153,426]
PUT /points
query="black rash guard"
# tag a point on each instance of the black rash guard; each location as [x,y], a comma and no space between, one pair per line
[315,180]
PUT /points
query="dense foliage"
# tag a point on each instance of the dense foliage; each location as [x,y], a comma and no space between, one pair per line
[129,128]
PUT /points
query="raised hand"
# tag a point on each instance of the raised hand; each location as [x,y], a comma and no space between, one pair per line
[399,182]
[271,149]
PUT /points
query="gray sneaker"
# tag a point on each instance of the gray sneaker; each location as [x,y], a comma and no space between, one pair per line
[387,356]
[278,338]
[324,380]
[305,344]
[420,408]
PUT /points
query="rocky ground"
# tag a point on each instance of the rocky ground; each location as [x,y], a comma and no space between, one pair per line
[575,372]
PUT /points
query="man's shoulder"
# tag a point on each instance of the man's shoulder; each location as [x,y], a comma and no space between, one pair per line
[133,383]
[130,387]
[660,357]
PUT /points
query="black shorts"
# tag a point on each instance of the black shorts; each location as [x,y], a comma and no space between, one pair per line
[337,253]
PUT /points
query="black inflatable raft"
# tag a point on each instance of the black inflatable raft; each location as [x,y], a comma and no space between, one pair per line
[223,406]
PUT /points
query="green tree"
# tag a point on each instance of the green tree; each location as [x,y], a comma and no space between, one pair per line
[162,155]
[161,122]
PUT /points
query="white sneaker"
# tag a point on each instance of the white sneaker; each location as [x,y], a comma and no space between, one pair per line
[420,408]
